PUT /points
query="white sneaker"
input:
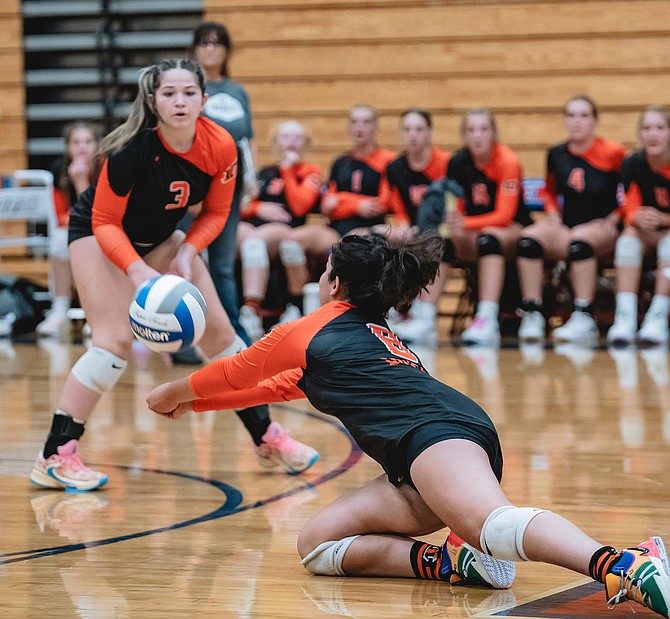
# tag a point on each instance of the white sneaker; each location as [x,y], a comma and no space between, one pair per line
[532,326]
[580,326]
[7,324]
[290,314]
[52,324]
[654,329]
[251,322]
[483,330]
[624,328]
[420,327]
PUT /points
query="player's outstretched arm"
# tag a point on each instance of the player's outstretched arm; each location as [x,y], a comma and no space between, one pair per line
[172,400]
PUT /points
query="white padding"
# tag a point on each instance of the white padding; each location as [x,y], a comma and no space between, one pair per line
[326,559]
[663,250]
[254,253]
[58,244]
[503,531]
[238,345]
[291,253]
[98,369]
[628,252]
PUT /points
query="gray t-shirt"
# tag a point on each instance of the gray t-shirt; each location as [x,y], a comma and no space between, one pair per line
[228,106]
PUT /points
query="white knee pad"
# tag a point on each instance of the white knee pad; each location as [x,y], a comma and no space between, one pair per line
[663,250]
[628,252]
[254,253]
[98,369]
[58,244]
[291,253]
[503,531]
[326,559]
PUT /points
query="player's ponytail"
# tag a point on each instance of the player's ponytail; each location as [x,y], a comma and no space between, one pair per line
[142,112]
[378,274]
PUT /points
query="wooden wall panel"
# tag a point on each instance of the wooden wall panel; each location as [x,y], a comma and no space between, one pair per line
[12,96]
[313,59]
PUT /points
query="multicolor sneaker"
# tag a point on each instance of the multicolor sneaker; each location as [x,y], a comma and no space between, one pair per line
[469,566]
[641,574]
[66,470]
[279,448]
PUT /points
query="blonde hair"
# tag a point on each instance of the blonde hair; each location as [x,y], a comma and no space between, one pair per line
[276,130]
[476,111]
[142,113]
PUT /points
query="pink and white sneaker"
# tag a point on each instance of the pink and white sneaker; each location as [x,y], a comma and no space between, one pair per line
[279,448]
[66,470]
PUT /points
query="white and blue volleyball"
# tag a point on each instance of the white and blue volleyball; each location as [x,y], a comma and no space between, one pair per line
[168,313]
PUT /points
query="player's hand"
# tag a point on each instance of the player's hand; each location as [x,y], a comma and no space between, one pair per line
[271,211]
[166,401]
[370,208]
[139,272]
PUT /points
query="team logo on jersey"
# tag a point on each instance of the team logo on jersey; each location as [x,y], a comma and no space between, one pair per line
[480,194]
[416,193]
[510,186]
[577,180]
[229,173]
[661,196]
[392,343]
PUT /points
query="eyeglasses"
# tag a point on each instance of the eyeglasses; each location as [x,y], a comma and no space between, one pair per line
[208,43]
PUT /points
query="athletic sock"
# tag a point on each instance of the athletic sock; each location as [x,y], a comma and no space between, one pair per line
[531,305]
[426,560]
[63,429]
[602,561]
[256,420]
[255,304]
[295,299]
[583,305]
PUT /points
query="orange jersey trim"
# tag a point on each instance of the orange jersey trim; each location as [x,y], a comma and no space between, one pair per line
[603,154]
[277,358]
[505,169]
[62,207]
[301,195]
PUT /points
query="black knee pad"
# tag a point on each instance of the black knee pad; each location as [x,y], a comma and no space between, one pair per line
[488,245]
[530,248]
[448,251]
[579,250]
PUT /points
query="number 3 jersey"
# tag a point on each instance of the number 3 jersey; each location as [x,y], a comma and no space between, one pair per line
[145,188]
[347,364]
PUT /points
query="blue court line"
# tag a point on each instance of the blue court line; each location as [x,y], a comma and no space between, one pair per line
[232,504]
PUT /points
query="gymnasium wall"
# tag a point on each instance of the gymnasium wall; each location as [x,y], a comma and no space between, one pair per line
[312,59]
[12,98]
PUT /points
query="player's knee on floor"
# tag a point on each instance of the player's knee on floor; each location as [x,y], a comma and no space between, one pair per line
[291,253]
[663,250]
[579,250]
[98,369]
[254,253]
[326,559]
[503,531]
[628,252]
[488,245]
[530,248]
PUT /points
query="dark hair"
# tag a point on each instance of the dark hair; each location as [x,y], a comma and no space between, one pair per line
[425,114]
[582,97]
[378,274]
[211,30]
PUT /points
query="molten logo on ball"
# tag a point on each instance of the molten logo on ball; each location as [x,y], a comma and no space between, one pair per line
[168,313]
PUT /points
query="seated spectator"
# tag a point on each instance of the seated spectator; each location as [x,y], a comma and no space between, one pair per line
[583,174]
[289,190]
[646,175]
[73,173]
[483,227]
[352,203]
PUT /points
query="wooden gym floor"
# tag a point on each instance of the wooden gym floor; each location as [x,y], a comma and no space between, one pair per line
[190,525]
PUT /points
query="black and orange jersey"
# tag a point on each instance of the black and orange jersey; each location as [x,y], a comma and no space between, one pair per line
[353,179]
[144,189]
[347,364]
[404,187]
[493,195]
[644,185]
[297,189]
[586,183]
